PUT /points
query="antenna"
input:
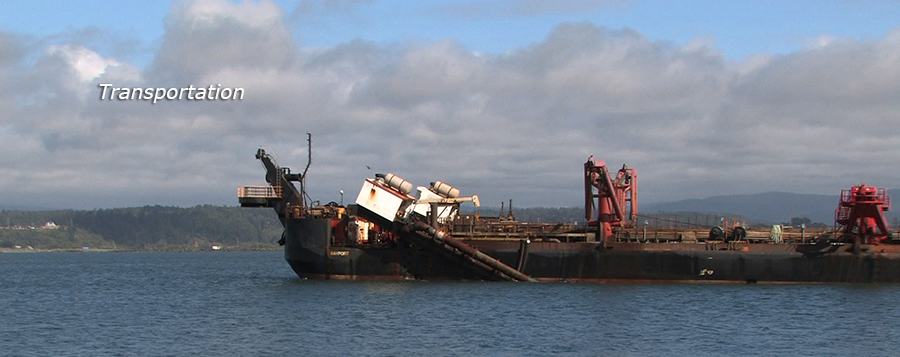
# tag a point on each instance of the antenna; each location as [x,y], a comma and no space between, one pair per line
[309,152]
[303,195]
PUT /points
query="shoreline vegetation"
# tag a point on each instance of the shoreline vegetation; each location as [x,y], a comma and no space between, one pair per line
[148,228]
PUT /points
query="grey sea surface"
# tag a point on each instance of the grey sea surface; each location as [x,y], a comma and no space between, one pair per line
[252,304]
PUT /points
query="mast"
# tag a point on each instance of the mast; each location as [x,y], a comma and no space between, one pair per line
[303,194]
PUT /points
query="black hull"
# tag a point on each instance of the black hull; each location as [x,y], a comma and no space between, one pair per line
[309,254]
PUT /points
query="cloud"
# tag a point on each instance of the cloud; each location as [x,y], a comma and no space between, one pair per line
[85,64]
[207,35]
[310,7]
[517,8]
[326,13]
[13,49]
[513,125]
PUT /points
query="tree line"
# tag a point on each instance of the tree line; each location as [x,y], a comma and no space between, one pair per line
[148,227]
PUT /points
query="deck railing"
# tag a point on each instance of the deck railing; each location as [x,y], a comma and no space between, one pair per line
[259,192]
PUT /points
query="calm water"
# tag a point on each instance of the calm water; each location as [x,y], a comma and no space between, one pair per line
[251,304]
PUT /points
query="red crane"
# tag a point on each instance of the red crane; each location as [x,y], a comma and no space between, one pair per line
[860,214]
[616,198]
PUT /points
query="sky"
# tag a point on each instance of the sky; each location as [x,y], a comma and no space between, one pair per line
[502,99]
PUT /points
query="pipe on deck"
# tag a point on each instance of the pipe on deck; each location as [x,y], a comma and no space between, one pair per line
[472,252]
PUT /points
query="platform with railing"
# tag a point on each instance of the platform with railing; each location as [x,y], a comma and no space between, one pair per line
[258,196]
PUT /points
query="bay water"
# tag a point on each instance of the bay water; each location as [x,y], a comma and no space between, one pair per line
[252,304]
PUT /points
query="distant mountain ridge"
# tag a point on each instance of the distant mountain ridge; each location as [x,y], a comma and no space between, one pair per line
[771,207]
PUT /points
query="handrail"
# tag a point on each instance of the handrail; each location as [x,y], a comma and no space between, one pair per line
[259,192]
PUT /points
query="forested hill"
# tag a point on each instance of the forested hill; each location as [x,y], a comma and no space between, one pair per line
[148,227]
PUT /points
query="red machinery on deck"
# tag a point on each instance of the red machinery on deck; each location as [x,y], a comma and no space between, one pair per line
[860,214]
[614,197]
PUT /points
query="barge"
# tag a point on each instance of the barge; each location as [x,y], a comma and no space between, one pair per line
[392,231]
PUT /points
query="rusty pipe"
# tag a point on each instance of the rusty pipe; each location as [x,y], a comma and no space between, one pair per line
[472,252]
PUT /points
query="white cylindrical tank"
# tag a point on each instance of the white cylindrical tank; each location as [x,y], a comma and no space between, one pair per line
[444,189]
[397,183]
